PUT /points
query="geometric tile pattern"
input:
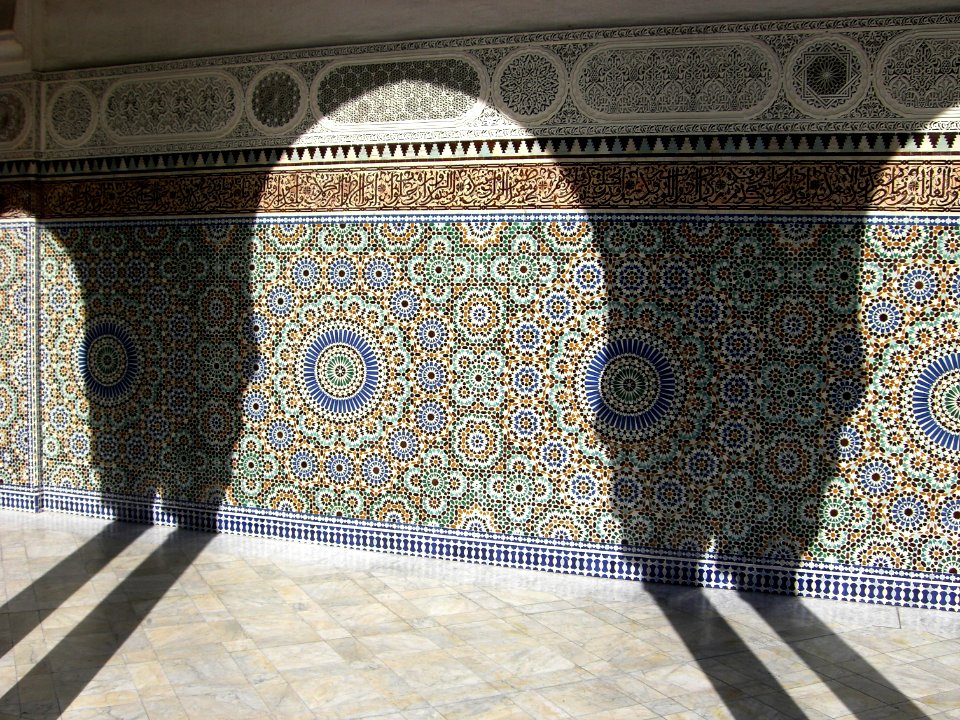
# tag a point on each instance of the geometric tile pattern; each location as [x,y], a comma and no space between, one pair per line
[824,144]
[508,362]
[529,84]
[17,372]
[410,91]
[827,76]
[782,388]
[205,104]
[73,115]
[911,78]
[721,79]
[278,99]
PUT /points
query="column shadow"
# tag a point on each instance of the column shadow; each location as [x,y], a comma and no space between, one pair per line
[723,360]
[27,610]
[148,342]
[55,681]
[730,367]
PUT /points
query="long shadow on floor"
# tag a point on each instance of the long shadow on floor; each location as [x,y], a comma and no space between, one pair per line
[833,651]
[36,602]
[58,679]
[747,687]
[707,635]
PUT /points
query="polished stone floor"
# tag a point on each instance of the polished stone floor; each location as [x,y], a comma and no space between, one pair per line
[109,620]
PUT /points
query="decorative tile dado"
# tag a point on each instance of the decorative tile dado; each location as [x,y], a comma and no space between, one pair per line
[18,464]
[865,75]
[775,389]
[917,74]
[853,186]
[812,579]
[722,79]
[24,498]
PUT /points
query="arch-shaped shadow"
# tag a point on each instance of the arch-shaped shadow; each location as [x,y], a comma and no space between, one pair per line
[730,371]
[148,345]
[755,318]
[731,387]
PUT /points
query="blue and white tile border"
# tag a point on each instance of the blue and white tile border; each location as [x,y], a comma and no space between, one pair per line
[17,497]
[808,579]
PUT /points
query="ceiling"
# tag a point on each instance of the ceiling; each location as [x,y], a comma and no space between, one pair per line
[64,34]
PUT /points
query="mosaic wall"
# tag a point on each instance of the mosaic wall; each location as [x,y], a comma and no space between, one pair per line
[17,373]
[753,386]
[489,298]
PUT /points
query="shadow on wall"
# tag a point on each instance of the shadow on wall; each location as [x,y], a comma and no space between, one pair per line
[164,345]
[143,397]
[715,370]
[722,364]
[724,378]
[717,363]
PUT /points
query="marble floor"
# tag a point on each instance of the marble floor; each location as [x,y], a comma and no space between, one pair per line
[110,620]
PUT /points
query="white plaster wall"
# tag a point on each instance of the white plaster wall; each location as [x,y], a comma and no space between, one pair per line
[86,33]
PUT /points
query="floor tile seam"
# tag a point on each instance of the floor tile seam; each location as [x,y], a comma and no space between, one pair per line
[913,633]
[947,675]
[210,689]
[534,615]
[162,690]
[551,681]
[697,657]
[656,687]
[822,660]
[778,675]
[635,677]
[537,693]
[821,674]
[888,685]
[439,708]
[383,668]
[767,699]
[852,702]
[555,638]
[748,679]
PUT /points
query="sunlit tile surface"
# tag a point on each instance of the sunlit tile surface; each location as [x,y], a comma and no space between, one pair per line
[130,621]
